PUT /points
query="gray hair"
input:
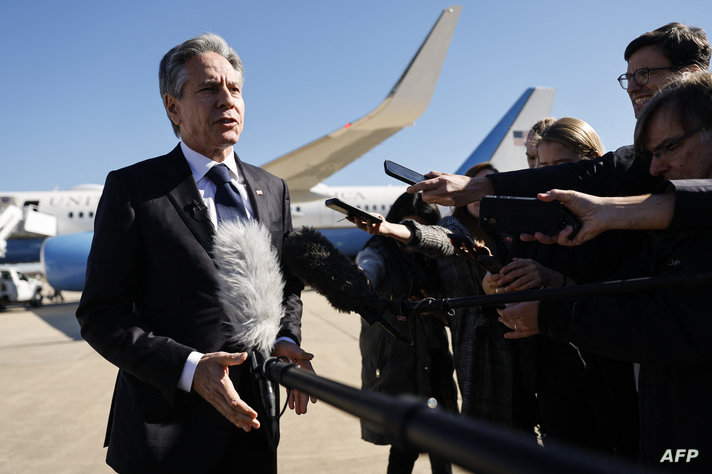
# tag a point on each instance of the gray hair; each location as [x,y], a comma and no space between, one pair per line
[172,73]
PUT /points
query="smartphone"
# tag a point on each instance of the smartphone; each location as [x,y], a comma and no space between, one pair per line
[402,173]
[349,210]
[523,215]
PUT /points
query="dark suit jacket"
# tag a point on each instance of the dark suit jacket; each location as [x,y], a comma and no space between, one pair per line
[150,299]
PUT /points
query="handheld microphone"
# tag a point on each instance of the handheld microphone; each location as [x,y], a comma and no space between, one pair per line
[257,362]
[315,260]
[251,293]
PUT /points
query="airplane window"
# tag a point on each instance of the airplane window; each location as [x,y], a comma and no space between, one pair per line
[71,214]
[366,206]
[91,214]
[298,209]
[81,214]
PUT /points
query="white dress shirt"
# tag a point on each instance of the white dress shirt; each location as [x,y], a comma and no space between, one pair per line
[199,166]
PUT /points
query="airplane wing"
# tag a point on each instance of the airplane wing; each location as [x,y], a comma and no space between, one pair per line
[504,146]
[312,163]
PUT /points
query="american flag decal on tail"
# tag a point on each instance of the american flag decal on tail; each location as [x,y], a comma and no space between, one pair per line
[519,137]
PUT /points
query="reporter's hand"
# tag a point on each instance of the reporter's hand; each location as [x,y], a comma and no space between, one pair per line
[590,211]
[449,189]
[372,227]
[298,401]
[525,274]
[387,229]
[490,283]
[522,318]
[212,382]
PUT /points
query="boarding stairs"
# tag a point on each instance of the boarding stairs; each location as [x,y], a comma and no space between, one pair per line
[27,222]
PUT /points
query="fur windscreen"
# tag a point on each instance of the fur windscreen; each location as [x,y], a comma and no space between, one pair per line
[318,263]
[251,283]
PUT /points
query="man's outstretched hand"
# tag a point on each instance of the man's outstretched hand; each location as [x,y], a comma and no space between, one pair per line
[212,382]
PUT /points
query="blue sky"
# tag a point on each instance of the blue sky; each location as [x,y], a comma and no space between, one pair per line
[79,94]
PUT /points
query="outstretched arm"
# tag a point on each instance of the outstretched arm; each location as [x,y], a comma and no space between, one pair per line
[212,382]
[449,189]
[599,214]
[384,228]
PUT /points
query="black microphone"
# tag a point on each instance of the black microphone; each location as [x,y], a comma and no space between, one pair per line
[198,210]
[257,362]
[311,257]
[251,294]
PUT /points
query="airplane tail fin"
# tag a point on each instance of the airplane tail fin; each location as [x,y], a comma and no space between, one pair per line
[411,94]
[504,146]
[312,163]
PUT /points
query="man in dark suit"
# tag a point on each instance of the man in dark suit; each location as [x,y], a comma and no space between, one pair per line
[184,401]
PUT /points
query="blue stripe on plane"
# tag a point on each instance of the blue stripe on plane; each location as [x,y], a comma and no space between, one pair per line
[486,149]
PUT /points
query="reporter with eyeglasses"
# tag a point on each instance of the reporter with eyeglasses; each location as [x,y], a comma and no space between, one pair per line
[654,58]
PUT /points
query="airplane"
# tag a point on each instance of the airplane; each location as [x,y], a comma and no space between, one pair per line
[503,147]
[62,240]
[64,257]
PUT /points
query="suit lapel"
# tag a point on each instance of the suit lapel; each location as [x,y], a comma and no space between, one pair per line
[255,189]
[183,194]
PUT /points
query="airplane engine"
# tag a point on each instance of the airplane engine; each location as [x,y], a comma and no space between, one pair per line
[65,260]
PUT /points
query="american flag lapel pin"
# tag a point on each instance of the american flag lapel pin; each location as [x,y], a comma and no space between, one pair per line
[259,192]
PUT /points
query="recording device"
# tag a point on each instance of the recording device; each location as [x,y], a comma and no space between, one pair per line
[524,215]
[251,293]
[350,211]
[402,173]
[311,257]
[257,362]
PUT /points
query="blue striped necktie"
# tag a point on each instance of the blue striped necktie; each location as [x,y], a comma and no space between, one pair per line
[228,201]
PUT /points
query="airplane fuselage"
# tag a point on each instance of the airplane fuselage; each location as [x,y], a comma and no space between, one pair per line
[73,208]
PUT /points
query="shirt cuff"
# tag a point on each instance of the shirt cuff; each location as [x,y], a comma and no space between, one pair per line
[185,382]
[417,235]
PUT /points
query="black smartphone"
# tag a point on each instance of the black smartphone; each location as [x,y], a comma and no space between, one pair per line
[490,263]
[349,210]
[402,173]
[523,215]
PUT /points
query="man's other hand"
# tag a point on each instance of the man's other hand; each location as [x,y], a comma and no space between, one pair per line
[212,382]
[298,401]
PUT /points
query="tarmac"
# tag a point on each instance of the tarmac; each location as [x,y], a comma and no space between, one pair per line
[55,393]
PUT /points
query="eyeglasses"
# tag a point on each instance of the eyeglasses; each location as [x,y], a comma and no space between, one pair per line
[641,76]
[667,149]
